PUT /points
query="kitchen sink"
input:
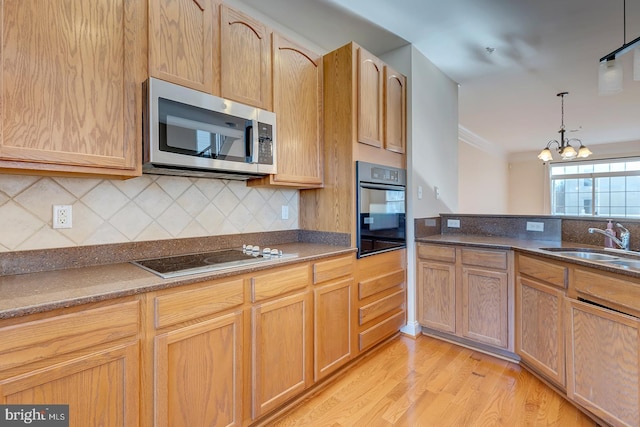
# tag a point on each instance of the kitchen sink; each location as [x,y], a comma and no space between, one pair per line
[626,263]
[592,256]
[618,259]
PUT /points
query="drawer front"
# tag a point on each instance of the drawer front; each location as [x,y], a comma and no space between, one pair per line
[543,270]
[323,271]
[209,298]
[279,282]
[484,258]
[437,252]
[382,330]
[380,307]
[41,339]
[378,284]
[622,293]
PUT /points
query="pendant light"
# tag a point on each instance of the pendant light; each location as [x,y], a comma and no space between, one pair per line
[564,147]
[610,69]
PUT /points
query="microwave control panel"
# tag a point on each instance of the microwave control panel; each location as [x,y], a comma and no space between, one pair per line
[265,144]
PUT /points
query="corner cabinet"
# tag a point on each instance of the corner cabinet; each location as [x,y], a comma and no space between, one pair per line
[88,358]
[71,94]
[184,43]
[297,102]
[467,293]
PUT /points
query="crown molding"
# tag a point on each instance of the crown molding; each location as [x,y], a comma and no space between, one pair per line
[475,140]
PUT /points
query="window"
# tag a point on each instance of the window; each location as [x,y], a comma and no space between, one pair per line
[608,187]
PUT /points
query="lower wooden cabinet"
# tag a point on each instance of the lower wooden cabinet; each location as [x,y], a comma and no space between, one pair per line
[381,297]
[485,306]
[332,314]
[540,328]
[603,362]
[198,374]
[87,359]
[437,295]
[466,292]
[281,350]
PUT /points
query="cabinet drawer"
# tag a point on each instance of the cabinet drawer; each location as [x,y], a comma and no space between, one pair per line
[279,282]
[381,330]
[546,271]
[323,271]
[623,294]
[378,284]
[380,307]
[438,253]
[40,339]
[209,298]
[483,258]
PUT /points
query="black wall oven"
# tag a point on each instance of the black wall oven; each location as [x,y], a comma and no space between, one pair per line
[381,208]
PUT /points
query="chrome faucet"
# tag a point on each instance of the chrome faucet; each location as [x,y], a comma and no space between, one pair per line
[625,236]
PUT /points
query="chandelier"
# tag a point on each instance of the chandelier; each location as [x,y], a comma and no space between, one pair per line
[564,147]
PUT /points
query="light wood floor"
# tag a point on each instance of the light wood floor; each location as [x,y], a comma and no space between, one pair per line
[428,382]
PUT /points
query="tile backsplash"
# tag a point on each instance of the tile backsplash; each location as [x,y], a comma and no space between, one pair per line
[149,207]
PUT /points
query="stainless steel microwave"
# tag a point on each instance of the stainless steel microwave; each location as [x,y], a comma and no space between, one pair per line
[192,133]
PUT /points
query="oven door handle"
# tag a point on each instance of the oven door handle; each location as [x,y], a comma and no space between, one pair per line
[382,186]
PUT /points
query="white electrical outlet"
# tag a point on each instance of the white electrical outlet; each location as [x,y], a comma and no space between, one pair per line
[535,226]
[453,223]
[62,216]
[285,212]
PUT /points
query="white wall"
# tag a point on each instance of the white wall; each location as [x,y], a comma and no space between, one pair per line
[483,180]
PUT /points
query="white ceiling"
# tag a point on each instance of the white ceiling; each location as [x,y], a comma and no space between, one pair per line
[507,98]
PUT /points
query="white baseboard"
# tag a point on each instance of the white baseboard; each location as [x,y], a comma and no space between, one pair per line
[412,328]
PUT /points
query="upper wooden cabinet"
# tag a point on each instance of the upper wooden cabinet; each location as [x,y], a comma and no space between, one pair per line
[382,110]
[245,59]
[297,102]
[71,77]
[395,110]
[184,43]
[370,98]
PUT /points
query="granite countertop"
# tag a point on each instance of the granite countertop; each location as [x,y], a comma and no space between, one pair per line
[30,293]
[534,247]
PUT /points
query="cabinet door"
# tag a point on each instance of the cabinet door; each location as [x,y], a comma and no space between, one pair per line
[245,59]
[395,110]
[100,388]
[281,351]
[198,374]
[437,295]
[183,42]
[485,306]
[603,360]
[71,79]
[332,315]
[297,102]
[370,98]
[540,328]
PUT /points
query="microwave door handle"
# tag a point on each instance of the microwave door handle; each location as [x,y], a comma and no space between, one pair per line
[251,140]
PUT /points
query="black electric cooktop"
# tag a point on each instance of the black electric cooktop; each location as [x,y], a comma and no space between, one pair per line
[183,265]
